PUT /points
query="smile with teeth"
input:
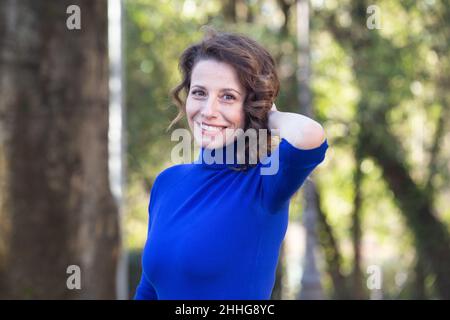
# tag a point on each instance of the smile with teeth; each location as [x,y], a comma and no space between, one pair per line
[210,129]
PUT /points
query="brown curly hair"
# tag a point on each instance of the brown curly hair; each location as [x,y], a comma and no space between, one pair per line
[256,71]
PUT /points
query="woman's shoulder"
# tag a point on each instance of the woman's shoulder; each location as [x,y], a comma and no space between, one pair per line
[172,173]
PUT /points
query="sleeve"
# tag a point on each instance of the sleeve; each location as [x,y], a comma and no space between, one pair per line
[290,166]
[145,290]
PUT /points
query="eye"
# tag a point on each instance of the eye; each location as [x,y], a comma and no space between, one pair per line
[229,97]
[199,93]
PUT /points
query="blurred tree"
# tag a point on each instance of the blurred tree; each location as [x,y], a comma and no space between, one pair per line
[311,280]
[356,273]
[56,208]
[379,65]
[333,256]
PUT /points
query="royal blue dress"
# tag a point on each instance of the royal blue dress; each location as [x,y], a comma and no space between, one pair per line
[215,233]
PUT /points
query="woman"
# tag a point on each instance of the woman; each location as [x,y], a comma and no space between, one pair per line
[215,229]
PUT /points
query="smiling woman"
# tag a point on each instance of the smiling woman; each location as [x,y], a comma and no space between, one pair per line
[229,81]
[215,103]
[215,233]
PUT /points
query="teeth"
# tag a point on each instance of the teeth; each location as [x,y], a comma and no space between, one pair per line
[211,128]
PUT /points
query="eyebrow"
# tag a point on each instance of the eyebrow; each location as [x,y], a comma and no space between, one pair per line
[223,89]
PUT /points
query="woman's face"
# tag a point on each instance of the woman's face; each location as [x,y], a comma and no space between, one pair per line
[215,103]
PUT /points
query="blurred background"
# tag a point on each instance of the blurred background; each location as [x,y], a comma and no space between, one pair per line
[84,107]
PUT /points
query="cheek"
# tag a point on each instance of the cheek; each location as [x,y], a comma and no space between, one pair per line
[191,109]
[234,115]
[238,117]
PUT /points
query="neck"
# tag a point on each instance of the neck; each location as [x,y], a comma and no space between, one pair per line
[221,157]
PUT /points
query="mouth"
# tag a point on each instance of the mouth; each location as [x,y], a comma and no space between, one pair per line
[210,130]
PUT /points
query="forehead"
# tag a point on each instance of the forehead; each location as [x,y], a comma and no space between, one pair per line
[215,75]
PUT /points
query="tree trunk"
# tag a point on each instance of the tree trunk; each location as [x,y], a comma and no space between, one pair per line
[229,10]
[431,235]
[311,286]
[56,208]
[357,276]
[332,254]
[419,287]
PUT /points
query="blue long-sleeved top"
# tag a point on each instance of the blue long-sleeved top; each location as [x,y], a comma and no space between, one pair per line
[215,233]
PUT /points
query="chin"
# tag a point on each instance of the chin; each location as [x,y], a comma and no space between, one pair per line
[209,143]
[210,140]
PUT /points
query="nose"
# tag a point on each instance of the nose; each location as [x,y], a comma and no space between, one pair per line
[210,108]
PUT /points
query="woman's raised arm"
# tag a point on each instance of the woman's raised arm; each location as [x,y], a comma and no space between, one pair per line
[300,131]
